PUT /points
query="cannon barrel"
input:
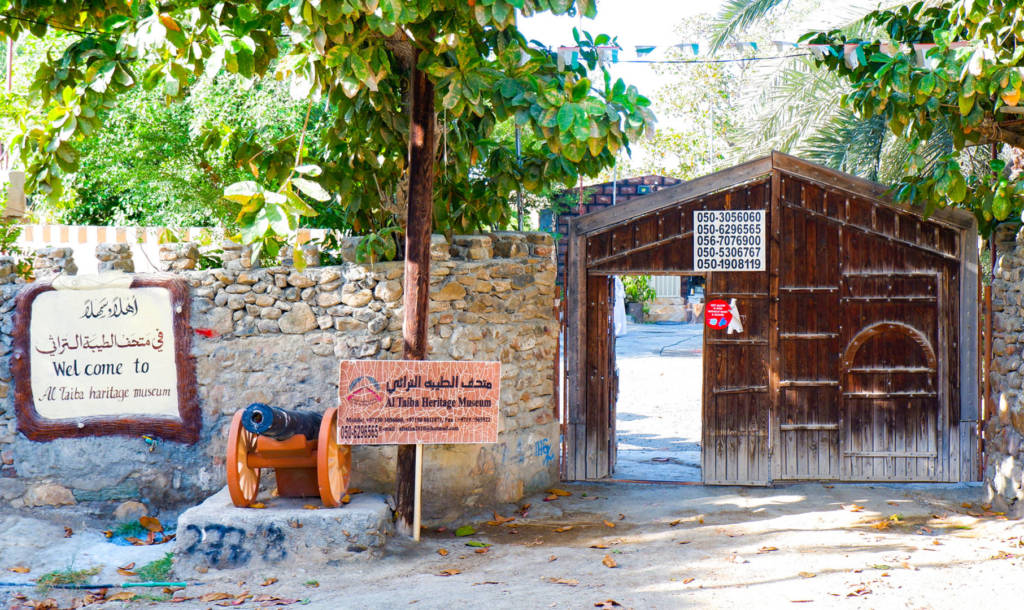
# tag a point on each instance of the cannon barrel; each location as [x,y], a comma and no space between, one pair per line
[280,424]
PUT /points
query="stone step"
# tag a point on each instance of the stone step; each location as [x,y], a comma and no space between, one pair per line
[218,535]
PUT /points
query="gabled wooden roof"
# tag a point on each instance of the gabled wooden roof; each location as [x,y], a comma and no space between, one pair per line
[751,171]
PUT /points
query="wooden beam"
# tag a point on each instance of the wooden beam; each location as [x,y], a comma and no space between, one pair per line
[416,297]
[674,195]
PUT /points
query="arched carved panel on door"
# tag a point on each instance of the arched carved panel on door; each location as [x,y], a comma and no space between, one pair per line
[883,328]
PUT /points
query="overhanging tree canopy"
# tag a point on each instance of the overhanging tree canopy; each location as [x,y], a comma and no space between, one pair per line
[352,60]
[970,82]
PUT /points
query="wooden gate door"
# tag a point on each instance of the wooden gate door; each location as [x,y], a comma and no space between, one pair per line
[735,428]
[893,403]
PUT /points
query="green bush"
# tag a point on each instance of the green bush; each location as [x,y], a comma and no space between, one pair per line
[639,288]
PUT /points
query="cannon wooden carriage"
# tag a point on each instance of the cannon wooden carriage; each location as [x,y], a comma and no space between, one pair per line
[301,447]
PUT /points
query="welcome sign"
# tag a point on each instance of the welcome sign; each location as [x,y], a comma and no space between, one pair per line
[104,355]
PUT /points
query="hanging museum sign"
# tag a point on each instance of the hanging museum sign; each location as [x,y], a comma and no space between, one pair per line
[729,240]
[105,355]
[405,402]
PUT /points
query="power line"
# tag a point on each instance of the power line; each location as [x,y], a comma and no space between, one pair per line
[707,61]
[55,26]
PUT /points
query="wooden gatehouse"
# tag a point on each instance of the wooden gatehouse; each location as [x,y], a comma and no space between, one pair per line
[858,358]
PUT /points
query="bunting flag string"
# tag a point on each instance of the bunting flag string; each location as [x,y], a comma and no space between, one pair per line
[852,53]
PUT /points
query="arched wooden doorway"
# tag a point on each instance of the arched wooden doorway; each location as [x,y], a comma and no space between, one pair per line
[858,357]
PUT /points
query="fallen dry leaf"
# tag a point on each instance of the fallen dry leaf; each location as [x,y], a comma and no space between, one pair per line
[127,566]
[215,597]
[108,534]
[178,600]
[68,532]
[450,572]
[881,525]
[599,546]
[20,569]
[124,572]
[688,580]
[853,508]
[481,551]
[270,600]
[966,504]
[893,503]
[608,603]
[123,596]
[257,505]
[684,542]
[621,516]
[767,549]
[572,582]
[858,592]
[550,498]
[564,528]
[442,552]
[609,562]
[675,523]
[499,519]
[151,523]
[609,523]
[310,507]
[268,582]
[807,574]
[346,498]
[559,492]
[354,490]
[552,558]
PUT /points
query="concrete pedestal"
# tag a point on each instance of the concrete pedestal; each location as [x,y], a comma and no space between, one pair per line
[218,535]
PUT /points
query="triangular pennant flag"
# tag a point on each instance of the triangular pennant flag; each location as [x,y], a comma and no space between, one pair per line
[781,45]
[642,50]
[887,48]
[820,50]
[921,51]
[608,54]
[850,54]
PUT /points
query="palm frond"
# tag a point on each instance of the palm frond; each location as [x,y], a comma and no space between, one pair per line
[736,15]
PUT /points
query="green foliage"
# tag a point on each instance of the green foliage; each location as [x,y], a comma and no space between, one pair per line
[639,289]
[156,571]
[350,61]
[962,87]
[380,245]
[66,577]
[10,231]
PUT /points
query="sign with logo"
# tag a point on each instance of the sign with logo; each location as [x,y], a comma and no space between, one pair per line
[105,356]
[717,314]
[405,402]
[729,240]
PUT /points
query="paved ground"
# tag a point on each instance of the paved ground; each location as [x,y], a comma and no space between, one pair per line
[658,417]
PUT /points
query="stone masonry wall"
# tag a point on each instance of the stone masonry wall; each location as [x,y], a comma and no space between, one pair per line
[1004,430]
[275,335]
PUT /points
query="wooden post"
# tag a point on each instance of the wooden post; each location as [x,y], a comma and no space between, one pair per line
[417,274]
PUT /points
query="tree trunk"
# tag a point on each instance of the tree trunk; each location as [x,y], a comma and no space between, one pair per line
[417,268]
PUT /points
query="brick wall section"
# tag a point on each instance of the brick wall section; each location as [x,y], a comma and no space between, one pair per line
[600,197]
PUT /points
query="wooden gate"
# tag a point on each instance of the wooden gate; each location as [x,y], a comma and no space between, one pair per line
[858,356]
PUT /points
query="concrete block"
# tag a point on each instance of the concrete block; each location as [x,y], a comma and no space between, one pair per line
[218,535]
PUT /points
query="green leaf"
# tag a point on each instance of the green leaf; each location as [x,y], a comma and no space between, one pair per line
[465,530]
[242,192]
[580,89]
[311,189]
[308,170]
[478,544]
[565,116]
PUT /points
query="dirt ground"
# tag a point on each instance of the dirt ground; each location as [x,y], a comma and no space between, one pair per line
[848,546]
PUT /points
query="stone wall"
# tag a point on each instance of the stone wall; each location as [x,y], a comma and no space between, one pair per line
[275,335]
[1004,430]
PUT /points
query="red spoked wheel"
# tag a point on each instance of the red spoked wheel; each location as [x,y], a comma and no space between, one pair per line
[333,461]
[243,481]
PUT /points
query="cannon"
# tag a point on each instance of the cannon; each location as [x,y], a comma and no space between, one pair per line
[301,447]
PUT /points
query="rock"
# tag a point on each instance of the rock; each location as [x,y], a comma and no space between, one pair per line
[328,299]
[130,511]
[300,280]
[452,291]
[353,296]
[48,494]
[388,291]
[299,320]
